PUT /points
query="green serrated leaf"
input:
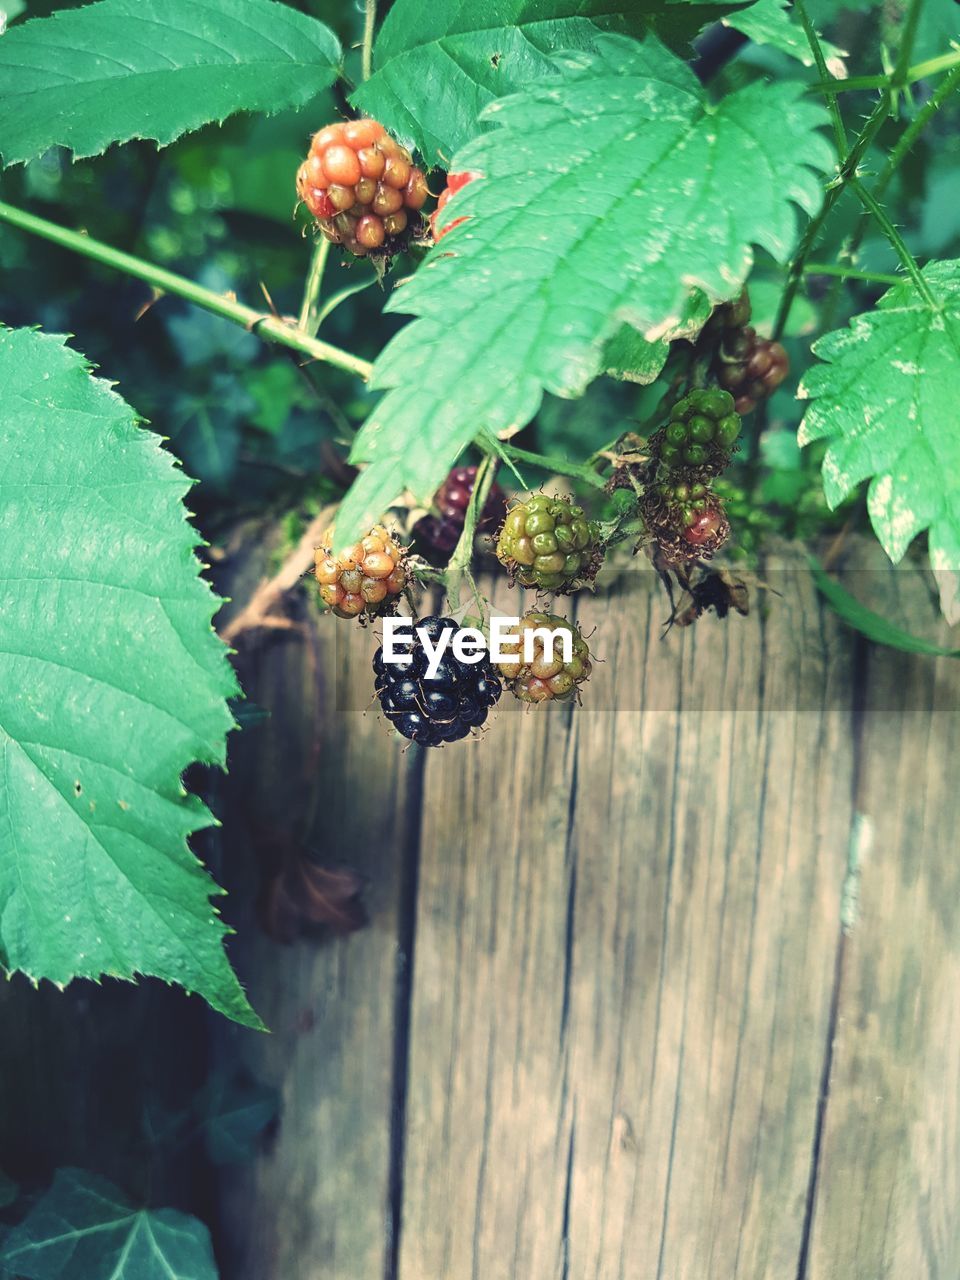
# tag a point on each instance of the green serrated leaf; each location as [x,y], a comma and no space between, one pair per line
[109,72]
[886,400]
[873,625]
[478,51]
[771,22]
[83,1228]
[629,356]
[112,681]
[610,191]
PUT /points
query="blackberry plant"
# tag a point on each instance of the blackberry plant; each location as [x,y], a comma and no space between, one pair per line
[563,214]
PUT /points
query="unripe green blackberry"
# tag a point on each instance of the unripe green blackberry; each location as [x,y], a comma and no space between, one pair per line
[365,580]
[701,433]
[549,544]
[546,677]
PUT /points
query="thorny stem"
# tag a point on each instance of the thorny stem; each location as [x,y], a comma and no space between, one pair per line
[560,466]
[893,235]
[839,132]
[369,24]
[919,71]
[269,328]
[309,321]
[849,273]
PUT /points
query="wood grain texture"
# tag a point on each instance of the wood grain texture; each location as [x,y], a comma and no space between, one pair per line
[617,1028]
[888,1189]
[323,775]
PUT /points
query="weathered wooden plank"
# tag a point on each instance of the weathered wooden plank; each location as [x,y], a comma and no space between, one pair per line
[617,1025]
[888,1189]
[322,774]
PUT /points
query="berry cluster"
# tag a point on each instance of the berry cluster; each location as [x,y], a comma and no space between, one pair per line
[547,678]
[455,181]
[441,532]
[366,578]
[362,187]
[748,366]
[548,543]
[701,433]
[433,710]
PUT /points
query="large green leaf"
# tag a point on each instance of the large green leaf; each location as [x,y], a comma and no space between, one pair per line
[886,399]
[83,1228]
[122,69]
[436,66]
[610,191]
[771,22]
[112,681]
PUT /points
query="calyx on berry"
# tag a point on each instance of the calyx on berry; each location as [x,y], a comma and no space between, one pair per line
[438,708]
[549,544]
[365,580]
[548,677]
[362,187]
[686,519]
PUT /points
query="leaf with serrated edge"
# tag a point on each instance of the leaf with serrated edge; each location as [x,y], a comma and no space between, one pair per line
[122,69]
[478,51]
[609,193]
[771,22]
[886,400]
[112,681]
[83,1228]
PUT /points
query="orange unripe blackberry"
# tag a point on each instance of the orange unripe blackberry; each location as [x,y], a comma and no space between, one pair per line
[362,187]
[366,578]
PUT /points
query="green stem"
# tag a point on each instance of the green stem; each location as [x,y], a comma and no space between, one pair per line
[849,273]
[559,466]
[270,328]
[902,67]
[919,71]
[309,321]
[923,117]
[458,566]
[369,25]
[840,134]
[893,235]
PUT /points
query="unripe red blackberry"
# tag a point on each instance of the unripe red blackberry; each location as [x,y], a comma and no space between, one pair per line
[685,518]
[362,187]
[441,532]
[701,433]
[547,677]
[751,368]
[366,579]
[455,181]
[549,544]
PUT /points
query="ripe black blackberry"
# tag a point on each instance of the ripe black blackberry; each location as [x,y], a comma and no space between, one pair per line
[433,710]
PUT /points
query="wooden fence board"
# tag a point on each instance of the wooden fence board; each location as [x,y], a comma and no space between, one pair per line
[325,774]
[617,1032]
[888,1190]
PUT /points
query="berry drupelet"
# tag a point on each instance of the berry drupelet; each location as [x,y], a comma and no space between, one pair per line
[445,707]
[547,678]
[365,580]
[441,532]
[549,544]
[362,187]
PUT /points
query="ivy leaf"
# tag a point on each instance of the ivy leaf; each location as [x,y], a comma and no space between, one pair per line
[771,22]
[610,191]
[235,1111]
[83,1228]
[886,398]
[112,682]
[117,70]
[478,52]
